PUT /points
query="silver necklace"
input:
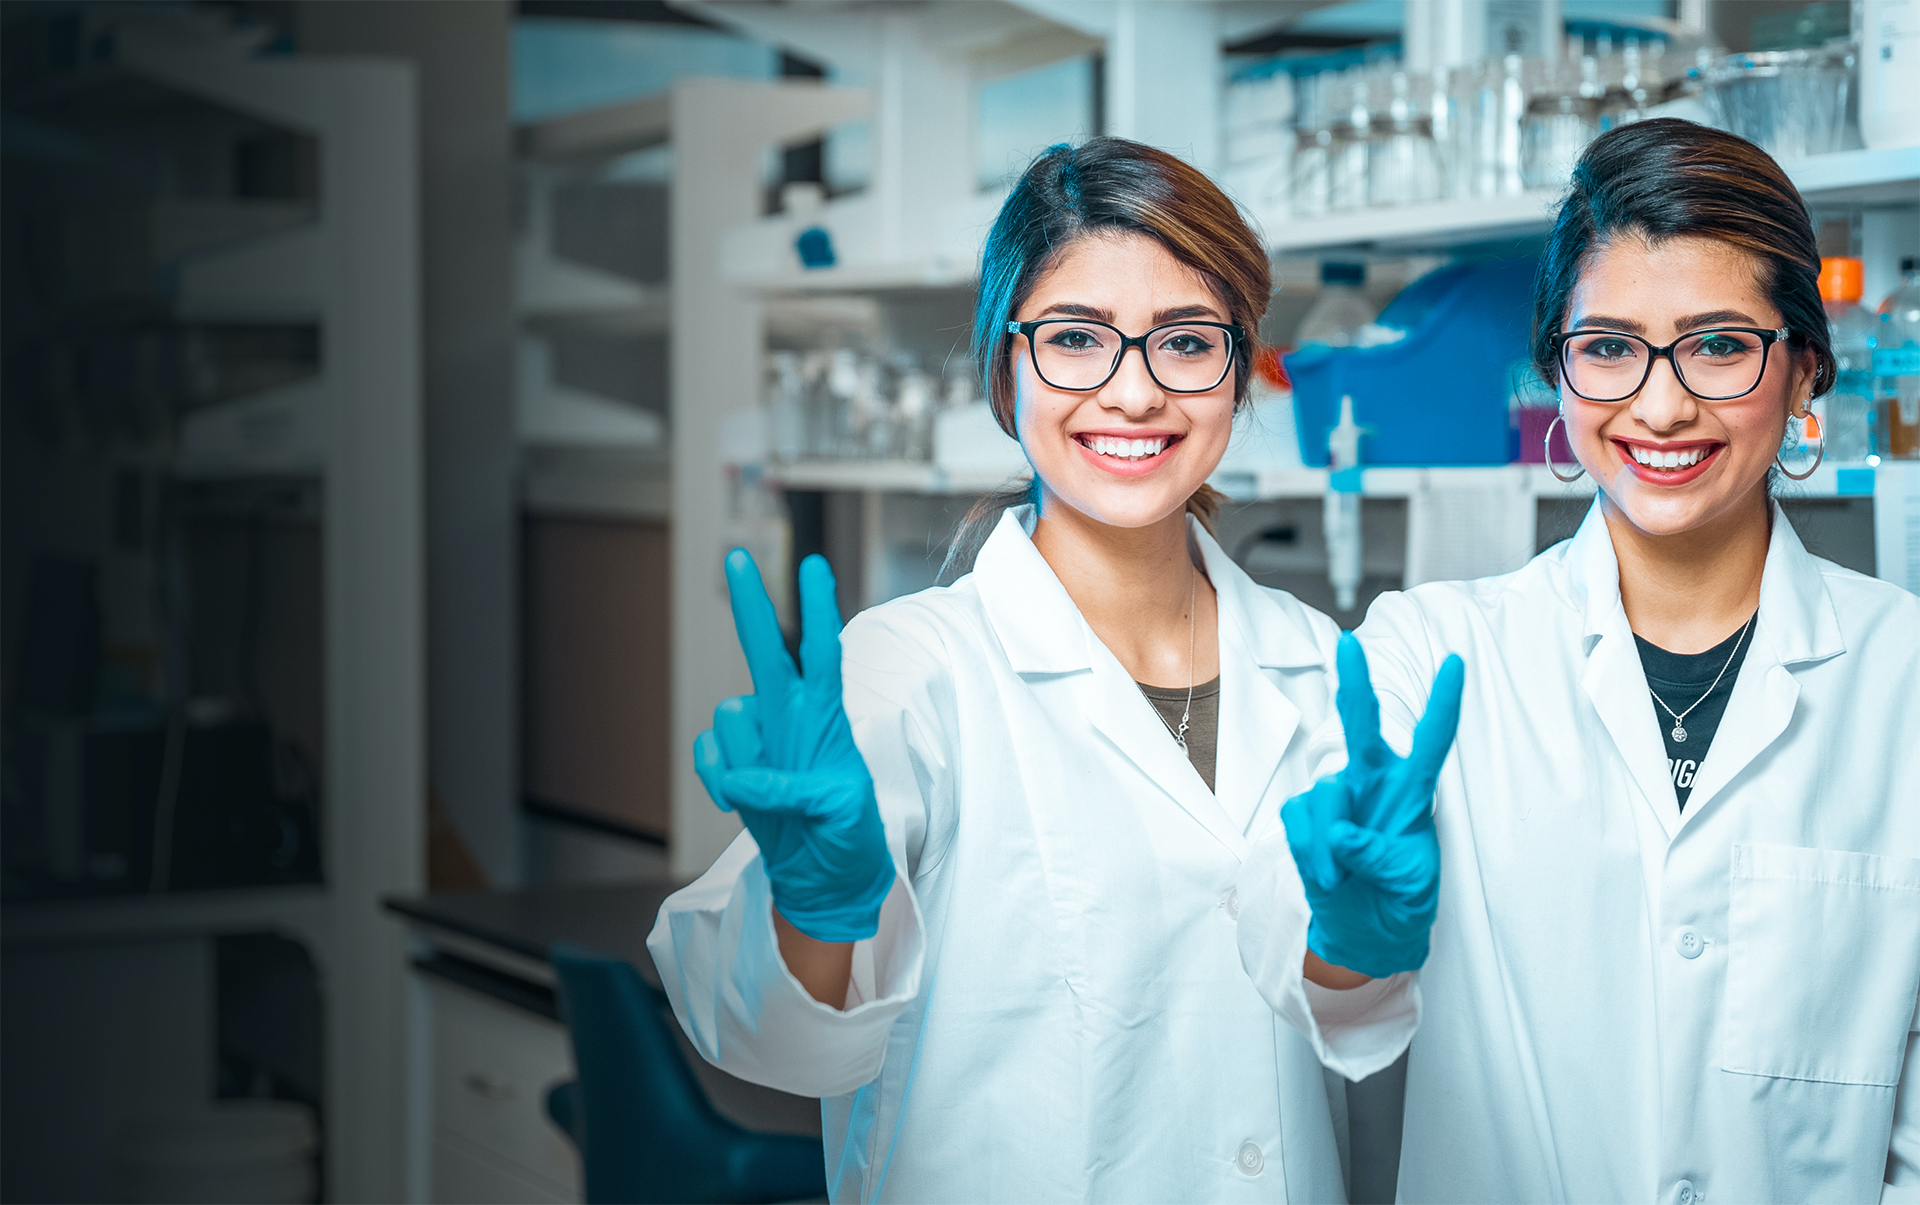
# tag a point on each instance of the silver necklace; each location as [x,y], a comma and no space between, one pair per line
[1180,733]
[1679,727]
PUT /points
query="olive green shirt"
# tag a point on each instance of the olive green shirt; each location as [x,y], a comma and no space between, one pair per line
[1203,724]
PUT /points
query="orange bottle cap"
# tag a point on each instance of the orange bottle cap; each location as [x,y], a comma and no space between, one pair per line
[1842,278]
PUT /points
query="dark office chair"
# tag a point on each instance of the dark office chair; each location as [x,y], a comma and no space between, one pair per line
[644,1128]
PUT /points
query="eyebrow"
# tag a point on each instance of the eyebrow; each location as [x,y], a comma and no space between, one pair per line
[1690,322]
[1074,309]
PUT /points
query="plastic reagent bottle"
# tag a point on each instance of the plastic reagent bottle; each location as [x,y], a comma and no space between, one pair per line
[1896,366]
[1341,513]
[1845,412]
[1341,310]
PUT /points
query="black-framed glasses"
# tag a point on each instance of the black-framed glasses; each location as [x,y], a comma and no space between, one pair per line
[1080,355]
[1715,365]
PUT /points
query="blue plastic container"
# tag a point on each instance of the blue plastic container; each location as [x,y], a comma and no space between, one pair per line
[1438,396]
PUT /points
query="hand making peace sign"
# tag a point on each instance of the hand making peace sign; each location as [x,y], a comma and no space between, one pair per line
[1363,839]
[784,758]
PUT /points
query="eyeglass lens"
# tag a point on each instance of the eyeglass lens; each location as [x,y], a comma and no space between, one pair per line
[1072,354]
[1606,366]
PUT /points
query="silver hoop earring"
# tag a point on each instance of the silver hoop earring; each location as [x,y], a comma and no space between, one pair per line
[1548,448]
[1819,454]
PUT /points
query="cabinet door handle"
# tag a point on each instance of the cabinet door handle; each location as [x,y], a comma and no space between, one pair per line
[486,1089]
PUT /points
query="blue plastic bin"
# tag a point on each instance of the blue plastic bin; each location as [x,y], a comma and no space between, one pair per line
[1438,396]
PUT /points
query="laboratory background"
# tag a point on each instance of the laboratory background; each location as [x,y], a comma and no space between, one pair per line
[384,381]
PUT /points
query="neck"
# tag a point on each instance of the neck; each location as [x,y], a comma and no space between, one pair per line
[1689,591]
[1134,585]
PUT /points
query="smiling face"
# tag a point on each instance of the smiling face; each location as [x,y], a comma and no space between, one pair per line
[1668,461]
[1129,453]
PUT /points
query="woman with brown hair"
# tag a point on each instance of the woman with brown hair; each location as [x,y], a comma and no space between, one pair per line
[1677,952]
[987,910]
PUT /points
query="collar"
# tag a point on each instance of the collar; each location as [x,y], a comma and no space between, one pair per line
[1043,631]
[1796,612]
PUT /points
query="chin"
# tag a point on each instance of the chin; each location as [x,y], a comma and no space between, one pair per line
[1669,516]
[1126,508]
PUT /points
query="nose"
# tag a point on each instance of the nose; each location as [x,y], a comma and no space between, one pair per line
[1663,403]
[1132,390]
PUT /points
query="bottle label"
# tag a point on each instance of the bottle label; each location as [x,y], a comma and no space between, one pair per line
[1896,361]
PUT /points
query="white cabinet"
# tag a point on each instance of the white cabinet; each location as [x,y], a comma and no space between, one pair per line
[492,1067]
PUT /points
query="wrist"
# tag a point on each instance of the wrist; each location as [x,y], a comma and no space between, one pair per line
[837,916]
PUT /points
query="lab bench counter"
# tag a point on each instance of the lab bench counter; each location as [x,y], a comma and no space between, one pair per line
[497,1043]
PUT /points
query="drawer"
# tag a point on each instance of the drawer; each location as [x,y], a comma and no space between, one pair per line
[492,1067]
[465,1176]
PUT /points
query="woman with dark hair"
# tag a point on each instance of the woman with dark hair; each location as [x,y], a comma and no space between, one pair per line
[1677,952]
[984,905]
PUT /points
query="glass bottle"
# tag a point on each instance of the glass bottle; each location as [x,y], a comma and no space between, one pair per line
[1308,189]
[1896,366]
[1338,314]
[1513,121]
[1401,163]
[1843,412]
[1347,183]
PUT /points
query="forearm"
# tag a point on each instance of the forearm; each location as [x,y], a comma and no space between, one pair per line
[824,968]
[1318,970]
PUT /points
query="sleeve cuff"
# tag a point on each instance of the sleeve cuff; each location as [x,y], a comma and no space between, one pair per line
[744,1011]
[1356,1033]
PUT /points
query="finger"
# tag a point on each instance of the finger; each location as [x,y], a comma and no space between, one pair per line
[758,627]
[1308,818]
[820,625]
[736,725]
[763,790]
[1433,737]
[711,765]
[1359,708]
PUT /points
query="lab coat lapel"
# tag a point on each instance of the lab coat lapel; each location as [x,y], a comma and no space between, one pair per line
[1043,633]
[1257,721]
[1122,714]
[1797,625]
[1613,677]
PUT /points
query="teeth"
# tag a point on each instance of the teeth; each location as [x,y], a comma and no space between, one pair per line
[1125,449]
[1668,460]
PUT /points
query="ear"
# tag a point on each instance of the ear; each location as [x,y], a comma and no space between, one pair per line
[1806,369]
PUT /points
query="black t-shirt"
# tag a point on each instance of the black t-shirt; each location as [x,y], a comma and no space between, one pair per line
[1678,679]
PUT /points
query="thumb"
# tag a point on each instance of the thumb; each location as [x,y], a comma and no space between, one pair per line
[711,766]
[1308,818]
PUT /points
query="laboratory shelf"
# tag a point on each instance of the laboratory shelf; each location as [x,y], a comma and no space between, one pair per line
[1436,224]
[937,273]
[304,909]
[923,477]
[1889,176]
[884,476]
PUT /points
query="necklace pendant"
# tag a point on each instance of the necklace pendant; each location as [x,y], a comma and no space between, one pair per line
[1679,735]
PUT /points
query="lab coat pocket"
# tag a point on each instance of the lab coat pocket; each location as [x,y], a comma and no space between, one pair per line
[1823,964]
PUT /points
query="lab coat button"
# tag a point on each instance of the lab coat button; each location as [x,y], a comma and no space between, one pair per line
[1689,943]
[1231,902]
[1249,1160]
[1683,1193]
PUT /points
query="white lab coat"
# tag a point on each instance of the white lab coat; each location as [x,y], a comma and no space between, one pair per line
[1054,1008]
[1625,1002]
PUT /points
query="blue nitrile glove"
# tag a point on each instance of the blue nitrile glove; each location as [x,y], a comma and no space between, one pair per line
[1363,839]
[784,758]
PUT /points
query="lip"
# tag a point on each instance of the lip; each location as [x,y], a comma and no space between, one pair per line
[1668,477]
[1126,468]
